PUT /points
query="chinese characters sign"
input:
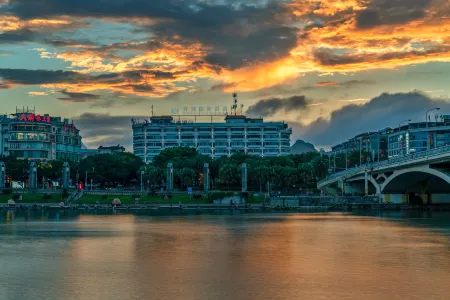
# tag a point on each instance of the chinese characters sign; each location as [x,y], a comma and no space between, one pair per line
[72,127]
[34,118]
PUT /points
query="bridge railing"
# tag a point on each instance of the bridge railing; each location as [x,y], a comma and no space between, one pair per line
[391,161]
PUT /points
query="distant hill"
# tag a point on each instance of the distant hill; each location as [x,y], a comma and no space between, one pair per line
[302,147]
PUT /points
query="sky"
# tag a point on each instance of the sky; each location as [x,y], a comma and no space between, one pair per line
[329,68]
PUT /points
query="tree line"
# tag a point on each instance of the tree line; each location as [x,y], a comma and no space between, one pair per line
[285,173]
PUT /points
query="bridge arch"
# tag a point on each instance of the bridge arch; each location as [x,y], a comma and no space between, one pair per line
[422,180]
[374,186]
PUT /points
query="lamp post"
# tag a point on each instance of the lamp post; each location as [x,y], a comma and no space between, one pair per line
[426,119]
[86,177]
[360,151]
[142,182]
[78,181]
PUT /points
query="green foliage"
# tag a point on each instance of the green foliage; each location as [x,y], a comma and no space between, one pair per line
[230,174]
[111,169]
[185,176]
[7,191]
[219,195]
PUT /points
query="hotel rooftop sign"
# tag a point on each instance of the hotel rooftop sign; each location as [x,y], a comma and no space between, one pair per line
[31,117]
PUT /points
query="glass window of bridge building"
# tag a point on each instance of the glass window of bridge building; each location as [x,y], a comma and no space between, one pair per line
[28,135]
[238,134]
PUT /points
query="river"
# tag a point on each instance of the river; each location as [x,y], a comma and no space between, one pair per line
[248,256]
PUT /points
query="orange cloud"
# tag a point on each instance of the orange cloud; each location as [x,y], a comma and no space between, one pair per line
[327,83]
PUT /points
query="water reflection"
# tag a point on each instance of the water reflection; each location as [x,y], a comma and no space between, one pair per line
[263,256]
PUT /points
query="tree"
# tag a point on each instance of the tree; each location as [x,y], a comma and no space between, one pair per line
[153,175]
[230,174]
[185,176]
[111,168]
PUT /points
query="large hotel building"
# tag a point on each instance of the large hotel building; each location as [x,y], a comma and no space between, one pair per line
[238,134]
[27,135]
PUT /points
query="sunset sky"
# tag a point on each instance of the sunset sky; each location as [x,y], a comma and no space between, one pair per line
[331,68]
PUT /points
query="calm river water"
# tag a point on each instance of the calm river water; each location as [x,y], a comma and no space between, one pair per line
[254,256]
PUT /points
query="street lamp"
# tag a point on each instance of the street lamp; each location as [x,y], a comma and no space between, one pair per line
[142,183]
[426,119]
[86,178]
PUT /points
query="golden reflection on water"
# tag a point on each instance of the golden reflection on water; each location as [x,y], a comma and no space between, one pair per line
[302,256]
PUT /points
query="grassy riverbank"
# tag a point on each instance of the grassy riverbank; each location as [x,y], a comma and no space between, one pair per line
[92,199]
[31,198]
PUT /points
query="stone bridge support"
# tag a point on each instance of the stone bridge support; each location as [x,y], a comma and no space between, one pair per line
[418,184]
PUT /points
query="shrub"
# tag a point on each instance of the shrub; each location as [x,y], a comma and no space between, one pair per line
[16,196]
[134,196]
[104,197]
[47,196]
[7,191]
[65,193]
[168,196]
[244,195]
[197,196]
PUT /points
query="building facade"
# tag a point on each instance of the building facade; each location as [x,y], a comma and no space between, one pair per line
[26,135]
[393,142]
[238,134]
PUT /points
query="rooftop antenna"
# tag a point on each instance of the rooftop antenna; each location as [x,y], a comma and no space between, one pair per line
[235,101]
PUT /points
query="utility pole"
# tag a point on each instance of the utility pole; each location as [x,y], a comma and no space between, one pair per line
[360,152]
[346,164]
[334,163]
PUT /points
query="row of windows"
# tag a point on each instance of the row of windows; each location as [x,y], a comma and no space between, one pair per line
[29,154]
[217,144]
[218,136]
[206,129]
[29,136]
[34,145]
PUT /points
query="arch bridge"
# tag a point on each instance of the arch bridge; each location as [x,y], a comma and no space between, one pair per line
[415,178]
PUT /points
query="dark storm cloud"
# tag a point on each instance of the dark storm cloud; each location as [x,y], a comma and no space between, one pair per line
[77,97]
[391,12]
[140,87]
[32,77]
[237,37]
[223,86]
[237,34]
[37,77]
[18,36]
[386,110]
[104,129]
[269,107]
[28,9]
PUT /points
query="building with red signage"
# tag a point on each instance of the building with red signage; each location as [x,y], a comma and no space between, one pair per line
[28,135]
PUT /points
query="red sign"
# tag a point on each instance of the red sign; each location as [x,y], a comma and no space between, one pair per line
[34,118]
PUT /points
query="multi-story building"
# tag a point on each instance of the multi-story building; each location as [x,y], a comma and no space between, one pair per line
[238,134]
[26,135]
[406,139]
[110,149]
